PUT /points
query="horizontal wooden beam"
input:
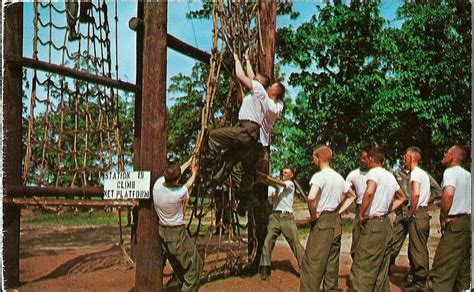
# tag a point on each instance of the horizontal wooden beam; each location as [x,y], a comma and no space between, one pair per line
[186,49]
[66,202]
[31,191]
[73,73]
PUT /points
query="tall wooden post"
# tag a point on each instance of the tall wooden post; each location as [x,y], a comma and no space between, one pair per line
[266,64]
[12,106]
[266,58]
[138,120]
[152,156]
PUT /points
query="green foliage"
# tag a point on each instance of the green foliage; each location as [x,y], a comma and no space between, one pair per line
[184,116]
[283,8]
[362,82]
[338,52]
[431,79]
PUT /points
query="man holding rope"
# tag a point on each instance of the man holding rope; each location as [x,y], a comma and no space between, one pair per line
[231,145]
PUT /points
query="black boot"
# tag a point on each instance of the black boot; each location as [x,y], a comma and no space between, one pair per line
[265,272]
[417,284]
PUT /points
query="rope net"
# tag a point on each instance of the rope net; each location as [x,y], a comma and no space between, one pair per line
[221,234]
[72,126]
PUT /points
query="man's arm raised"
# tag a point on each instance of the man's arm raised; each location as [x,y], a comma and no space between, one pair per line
[248,66]
[192,179]
[239,72]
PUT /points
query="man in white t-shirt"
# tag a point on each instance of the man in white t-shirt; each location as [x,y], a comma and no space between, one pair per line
[274,111]
[451,265]
[401,223]
[357,180]
[170,199]
[419,219]
[281,221]
[369,270]
[329,196]
[229,145]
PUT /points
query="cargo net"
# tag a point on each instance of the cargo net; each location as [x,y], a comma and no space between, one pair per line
[226,239]
[72,126]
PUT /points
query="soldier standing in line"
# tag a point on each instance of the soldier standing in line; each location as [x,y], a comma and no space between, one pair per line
[369,271]
[357,180]
[451,266]
[400,225]
[419,219]
[329,196]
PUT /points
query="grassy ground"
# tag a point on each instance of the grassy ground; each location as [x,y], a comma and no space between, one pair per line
[94,218]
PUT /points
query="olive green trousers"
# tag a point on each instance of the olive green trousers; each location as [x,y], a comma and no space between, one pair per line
[183,256]
[320,262]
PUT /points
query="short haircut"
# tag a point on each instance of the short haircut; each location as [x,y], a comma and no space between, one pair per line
[291,167]
[323,152]
[281,92]
[416,151]
[172,172]
[460,153]
[377,154]
[365,148]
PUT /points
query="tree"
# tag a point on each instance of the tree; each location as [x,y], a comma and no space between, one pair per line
[363,82]
[427,100]
[184,115]
[338,52]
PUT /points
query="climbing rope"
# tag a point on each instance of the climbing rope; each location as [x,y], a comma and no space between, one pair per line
[73,133]
[224,242]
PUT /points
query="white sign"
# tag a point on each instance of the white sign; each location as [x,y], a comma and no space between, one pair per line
[127,185]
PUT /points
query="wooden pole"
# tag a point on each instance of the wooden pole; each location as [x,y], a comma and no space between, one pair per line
[30,191]
[266,63]
[188,50]
[266,58]
[148,259]
[12,107]
[73,73]
[65,202]
[138,122]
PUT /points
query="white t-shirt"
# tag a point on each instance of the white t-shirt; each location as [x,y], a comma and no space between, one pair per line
[358,179]
[284,201]
[460,179]
[273,112]
[169,203]
[332,186]
[255,105]
[419,175]
[386,187]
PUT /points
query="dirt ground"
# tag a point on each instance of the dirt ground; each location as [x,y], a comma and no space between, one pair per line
[89,258]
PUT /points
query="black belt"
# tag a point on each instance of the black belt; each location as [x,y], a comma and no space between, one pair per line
[172,226]
[458,215]
[282,212]
[328,212]
[249,121]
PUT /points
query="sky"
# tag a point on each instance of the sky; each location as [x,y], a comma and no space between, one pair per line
[196,32]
